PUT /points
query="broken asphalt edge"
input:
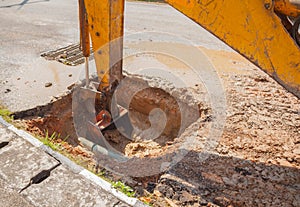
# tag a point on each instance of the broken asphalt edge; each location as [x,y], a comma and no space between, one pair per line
[73,166]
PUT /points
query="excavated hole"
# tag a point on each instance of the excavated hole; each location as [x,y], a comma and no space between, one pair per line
[158,118]
[176,108]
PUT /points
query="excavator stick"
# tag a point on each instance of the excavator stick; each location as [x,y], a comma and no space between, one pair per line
[106,20]
[102,21]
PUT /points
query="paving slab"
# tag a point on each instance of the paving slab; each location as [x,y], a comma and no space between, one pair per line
[64,188]
[9,197]
[22,159]
[5,135]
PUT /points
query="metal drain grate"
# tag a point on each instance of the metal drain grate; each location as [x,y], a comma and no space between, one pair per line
[70,55]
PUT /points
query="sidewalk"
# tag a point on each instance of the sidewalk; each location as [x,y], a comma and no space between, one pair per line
[67,185]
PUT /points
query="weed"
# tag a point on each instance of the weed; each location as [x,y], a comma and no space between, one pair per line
[50,141]
[123,188]
[6,114]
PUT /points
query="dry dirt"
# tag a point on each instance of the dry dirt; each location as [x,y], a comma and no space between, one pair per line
[257,160]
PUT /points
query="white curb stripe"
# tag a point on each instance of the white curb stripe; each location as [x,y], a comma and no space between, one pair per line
[108,187]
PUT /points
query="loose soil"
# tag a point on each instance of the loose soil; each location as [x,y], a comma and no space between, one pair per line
[257,160]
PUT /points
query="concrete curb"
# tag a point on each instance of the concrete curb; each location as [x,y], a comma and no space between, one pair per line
[73,166]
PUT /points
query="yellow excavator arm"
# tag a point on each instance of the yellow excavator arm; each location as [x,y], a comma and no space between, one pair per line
[260,30]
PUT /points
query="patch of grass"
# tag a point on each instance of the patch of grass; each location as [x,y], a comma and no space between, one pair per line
[50,141]
[6,114]
[123,188]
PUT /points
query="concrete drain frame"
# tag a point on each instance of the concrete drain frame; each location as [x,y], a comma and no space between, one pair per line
[183,116]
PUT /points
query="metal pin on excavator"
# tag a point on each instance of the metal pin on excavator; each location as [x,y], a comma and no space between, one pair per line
[266,32]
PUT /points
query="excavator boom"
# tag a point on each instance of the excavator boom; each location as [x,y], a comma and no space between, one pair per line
[252,28]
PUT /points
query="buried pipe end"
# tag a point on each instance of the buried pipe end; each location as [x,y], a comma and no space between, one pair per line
[97,149]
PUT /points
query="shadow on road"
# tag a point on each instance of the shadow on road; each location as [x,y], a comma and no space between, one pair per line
[24,2]
[238,182]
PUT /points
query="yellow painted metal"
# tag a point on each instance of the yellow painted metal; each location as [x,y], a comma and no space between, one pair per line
[287,7]
[252,29]
[105,19]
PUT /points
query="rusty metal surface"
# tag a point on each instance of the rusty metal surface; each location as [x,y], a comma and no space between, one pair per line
[287,7]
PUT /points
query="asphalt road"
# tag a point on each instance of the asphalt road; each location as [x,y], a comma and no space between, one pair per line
[29,28]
